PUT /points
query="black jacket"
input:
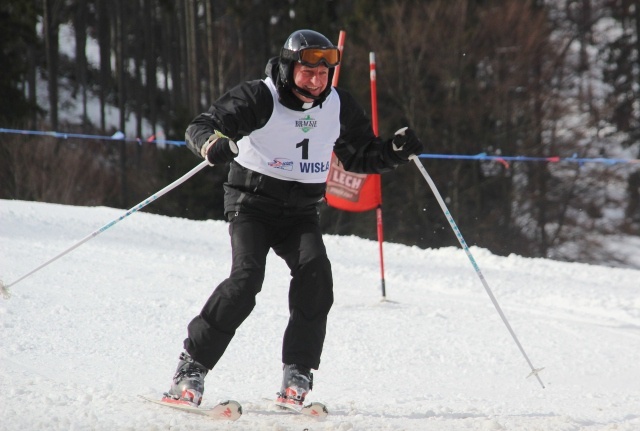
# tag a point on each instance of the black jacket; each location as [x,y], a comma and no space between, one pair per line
[248,107]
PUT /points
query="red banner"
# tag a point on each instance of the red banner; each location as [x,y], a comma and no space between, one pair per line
[350,191]
[346,190]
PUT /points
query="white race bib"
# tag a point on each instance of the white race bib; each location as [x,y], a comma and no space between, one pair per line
[293,145]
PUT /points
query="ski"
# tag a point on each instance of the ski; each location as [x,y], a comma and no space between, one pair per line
[314,409]
[226,410]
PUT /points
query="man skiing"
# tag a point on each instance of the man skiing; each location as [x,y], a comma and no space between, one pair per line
[279,134]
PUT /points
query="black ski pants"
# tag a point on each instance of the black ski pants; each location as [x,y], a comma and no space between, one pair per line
[298,240]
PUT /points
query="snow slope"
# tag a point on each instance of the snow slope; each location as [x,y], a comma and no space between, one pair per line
[81,338]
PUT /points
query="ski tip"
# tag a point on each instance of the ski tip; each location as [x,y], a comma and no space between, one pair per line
[316,410]
[229,409]
[233,405]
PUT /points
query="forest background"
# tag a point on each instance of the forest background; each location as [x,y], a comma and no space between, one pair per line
[503,77]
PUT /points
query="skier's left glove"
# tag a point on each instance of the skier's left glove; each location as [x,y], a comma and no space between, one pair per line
[405,143]
[219,149]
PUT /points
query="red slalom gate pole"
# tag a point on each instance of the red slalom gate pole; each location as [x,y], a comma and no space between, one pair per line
[336,75]
[374,122]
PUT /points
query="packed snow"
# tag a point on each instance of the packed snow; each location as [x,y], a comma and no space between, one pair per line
[84,336]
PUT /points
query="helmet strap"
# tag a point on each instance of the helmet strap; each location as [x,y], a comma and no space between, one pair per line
[305,93]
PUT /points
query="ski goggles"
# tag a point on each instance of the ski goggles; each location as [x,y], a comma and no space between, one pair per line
[312,57]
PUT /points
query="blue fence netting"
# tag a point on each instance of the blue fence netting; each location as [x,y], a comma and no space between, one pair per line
[118,136]
[505,160]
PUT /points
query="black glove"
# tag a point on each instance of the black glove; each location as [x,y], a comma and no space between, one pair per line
[219,149]
[405,143]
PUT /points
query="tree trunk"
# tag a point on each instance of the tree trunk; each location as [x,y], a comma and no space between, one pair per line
[104,40]
[209,11]
[151,64]
[80,26]
[120,46]
[50,29]
[31,79]
[138,59]
[193,87]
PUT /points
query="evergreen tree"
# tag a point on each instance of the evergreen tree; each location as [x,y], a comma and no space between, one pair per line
[17,33]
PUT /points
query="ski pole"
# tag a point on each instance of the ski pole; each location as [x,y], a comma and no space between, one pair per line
[456,231]
[4,289]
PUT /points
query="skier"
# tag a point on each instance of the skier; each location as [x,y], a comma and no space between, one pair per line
[279,133]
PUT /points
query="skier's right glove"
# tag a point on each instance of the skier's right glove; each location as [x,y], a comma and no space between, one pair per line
[219,149]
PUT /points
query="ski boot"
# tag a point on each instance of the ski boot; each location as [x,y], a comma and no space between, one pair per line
[188,382]
[297,381]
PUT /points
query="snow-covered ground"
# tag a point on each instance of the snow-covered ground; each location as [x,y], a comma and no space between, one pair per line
[81,338]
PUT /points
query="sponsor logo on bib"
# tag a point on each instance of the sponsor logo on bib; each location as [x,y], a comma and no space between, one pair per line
[307,123]
[314,167]
[281,163]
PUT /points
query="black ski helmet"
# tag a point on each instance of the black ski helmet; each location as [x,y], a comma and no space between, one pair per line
[310,48]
